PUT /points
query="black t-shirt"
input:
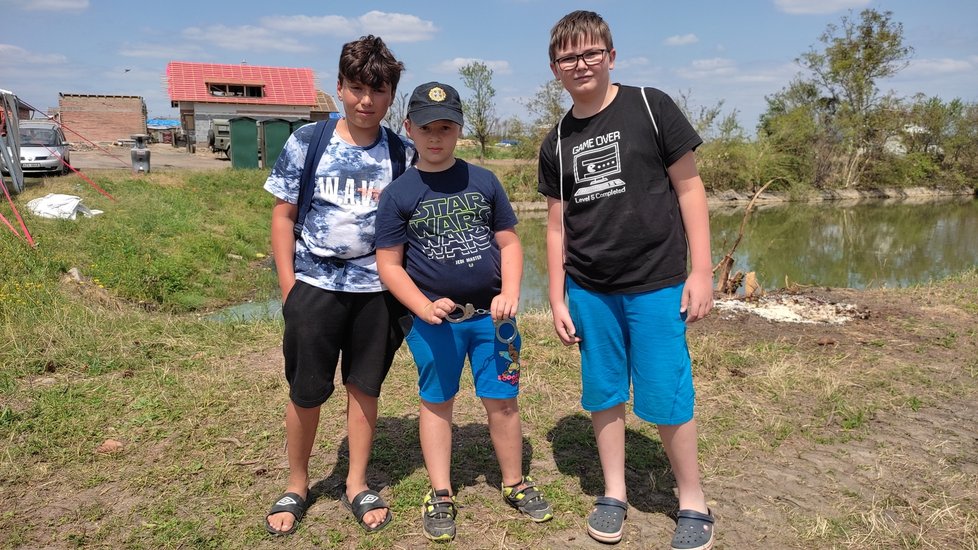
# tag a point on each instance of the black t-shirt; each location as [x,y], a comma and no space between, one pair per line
[623,229]
[448,222]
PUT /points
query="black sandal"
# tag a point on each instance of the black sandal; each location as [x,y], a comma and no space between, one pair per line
[364,502]
[291,503]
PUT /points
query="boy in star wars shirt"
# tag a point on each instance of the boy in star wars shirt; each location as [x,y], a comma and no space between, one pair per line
[447,250]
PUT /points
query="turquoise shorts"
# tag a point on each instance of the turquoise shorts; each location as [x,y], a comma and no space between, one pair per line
[634,340]
[440,351]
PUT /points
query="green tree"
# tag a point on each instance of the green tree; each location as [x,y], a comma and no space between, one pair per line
[855,55]
[702,118]
[480,111]
[397,113]
[796,128]
[548,104]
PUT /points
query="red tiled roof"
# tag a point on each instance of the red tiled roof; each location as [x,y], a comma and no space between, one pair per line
[283,85]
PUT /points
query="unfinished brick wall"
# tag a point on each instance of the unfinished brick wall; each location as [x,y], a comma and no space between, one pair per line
[101,118]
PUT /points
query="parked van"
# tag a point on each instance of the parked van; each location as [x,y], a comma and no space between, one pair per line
[42,148]
[219,136]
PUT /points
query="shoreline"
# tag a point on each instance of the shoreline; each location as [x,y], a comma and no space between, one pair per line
[736,199]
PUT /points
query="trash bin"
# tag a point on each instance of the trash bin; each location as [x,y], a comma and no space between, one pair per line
[140,154]
[244,142]
[296,124]
[275,132]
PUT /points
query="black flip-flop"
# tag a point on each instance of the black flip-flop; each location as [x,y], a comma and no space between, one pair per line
[364,502]
[291,503]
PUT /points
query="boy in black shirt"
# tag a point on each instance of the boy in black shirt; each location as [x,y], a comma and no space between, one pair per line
[624,202]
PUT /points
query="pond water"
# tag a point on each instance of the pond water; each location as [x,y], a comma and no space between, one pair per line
[857,245]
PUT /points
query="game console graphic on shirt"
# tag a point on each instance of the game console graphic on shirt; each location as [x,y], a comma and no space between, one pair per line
[592,170]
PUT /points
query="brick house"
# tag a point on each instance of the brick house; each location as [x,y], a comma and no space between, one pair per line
[101,118]
[207,91]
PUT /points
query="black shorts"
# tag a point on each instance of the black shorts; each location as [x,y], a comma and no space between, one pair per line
[320,324]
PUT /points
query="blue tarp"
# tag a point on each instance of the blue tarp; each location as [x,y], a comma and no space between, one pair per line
[162,123]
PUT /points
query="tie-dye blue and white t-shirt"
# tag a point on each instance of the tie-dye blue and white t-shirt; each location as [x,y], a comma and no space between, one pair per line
[336,250]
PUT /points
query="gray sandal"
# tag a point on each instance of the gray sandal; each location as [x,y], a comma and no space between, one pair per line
[694,531]
[606,523]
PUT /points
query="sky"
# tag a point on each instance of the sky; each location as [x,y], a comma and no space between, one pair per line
[709,51]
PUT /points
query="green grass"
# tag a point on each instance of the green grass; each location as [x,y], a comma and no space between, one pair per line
[169,243]
[126,354]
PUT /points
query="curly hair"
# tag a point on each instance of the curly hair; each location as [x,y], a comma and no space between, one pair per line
[369,62]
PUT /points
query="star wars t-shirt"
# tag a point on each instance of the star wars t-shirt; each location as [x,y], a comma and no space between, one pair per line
[336,250]
[448,222]
[623,228]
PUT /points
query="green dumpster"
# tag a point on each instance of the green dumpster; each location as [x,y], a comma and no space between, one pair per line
[275,132]
[244,142]
[296,124]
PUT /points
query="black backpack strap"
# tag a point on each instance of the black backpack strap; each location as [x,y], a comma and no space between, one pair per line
[395,148]
[321,135]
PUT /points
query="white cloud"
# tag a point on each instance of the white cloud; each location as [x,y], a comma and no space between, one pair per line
[15,55]
[397,27]
[162,51]
[246,38]
[813,7]
[943,66]
[306,24]
[632,63]
[55,5]
[453,65]
[391,27]
[681,40]
[709,68]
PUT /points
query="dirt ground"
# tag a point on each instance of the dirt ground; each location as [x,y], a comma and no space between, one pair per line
[163,156]
[902,473]
[902,466]
[892,464]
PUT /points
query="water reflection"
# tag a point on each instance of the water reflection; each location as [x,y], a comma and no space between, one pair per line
[856,245]
[833,244]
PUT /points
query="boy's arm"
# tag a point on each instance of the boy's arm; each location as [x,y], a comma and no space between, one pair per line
[504,305]
[555,274]
[283,244]
[697,300]
[390,265]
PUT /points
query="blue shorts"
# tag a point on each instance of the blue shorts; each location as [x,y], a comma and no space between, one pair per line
[440,351]
[634,339]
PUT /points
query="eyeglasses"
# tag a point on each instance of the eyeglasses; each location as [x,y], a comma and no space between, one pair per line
[590,57]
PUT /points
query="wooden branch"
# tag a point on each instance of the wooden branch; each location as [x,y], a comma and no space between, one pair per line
[724,283]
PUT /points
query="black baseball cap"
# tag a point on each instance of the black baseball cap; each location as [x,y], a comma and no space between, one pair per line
[434,101]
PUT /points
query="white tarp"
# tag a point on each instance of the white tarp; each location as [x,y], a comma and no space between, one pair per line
[58,206]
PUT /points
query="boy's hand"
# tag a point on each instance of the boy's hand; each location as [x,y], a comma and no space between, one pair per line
[697,300]
[286,287]
[504,306]
[564,326]
[434,312]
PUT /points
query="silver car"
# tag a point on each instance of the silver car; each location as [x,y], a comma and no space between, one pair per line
[42,147]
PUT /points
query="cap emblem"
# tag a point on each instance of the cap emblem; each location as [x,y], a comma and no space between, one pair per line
[437,94]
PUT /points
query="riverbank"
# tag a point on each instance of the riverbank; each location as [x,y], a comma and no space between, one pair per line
[857,433]
[129,421]
[730,198]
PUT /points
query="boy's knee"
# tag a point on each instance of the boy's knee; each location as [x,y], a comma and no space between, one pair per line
[503,407]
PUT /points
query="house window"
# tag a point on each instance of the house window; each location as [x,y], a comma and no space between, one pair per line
[235,90]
